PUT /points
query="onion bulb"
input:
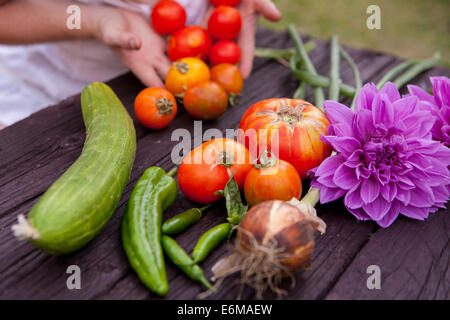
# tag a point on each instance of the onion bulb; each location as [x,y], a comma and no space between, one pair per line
[275,239]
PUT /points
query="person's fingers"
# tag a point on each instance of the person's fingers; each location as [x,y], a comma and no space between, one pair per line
[122,39]
[162,65]
[247,44]
[148,76]
[268,9]
[204,22]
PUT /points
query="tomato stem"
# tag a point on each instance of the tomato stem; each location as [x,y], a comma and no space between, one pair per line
[266,160]
[164,105]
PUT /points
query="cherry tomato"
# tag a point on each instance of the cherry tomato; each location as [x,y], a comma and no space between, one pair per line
[186,73]
[272,179]
[208,168]
[231,3]
[190,41]
[292,132]
[228,76]
[155,108]
[206,101]
[225,51]
[225,23]
[167,17]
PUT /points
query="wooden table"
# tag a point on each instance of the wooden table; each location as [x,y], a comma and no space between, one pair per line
[413,256]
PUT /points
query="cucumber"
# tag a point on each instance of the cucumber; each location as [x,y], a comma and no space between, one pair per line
[79,204]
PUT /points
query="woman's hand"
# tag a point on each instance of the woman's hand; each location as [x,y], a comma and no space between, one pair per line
[131,37]
[250,10]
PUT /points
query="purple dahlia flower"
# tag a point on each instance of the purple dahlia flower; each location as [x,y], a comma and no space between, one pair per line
[439,106]
[386,163]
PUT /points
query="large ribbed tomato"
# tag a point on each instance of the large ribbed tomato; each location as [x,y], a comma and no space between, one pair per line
[292,132]
[207,169]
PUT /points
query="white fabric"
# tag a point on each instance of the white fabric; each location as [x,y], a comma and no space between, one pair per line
[35,76]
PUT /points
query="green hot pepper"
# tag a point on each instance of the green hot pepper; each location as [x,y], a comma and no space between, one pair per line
[209,241]
[181,259]
[182,221]
[141,226]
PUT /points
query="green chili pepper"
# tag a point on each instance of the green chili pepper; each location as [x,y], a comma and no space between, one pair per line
[181,259]
[182,221]
[209,241]
[141,226]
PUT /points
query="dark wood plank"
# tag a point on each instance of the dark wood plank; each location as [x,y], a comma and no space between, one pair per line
[34,152]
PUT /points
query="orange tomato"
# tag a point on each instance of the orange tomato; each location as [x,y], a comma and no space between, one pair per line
[291,128]
[186,73]
[206,100]
[272,179]
[228,76]
[208,168]
[155,108]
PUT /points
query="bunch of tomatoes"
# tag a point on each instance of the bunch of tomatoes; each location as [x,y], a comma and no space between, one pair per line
[204,92]
[278,143]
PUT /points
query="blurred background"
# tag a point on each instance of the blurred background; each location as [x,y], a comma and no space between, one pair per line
[409,28]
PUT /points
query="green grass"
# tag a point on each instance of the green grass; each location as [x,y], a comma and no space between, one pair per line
[409,28]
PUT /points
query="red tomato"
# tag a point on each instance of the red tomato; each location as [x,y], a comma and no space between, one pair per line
[206,101]
[225,23]
[232,3]
[293,130]
[155,108]
[272,179]
[208,168]
[167,17]
[190,41]
[225,51]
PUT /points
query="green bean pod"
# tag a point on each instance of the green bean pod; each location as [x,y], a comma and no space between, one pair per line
[182,221]
[141,227]
[209,241]
[181,259]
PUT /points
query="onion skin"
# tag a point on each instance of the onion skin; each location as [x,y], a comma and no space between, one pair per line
[280,223]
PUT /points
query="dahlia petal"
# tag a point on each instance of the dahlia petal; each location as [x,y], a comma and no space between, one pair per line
[369,190]
[404,107]
[355,159]
[390,217]
[365,97]
[415,212]
[329,165]
[419,124]
[404,196]
[327,181]
[382,111]
[389,191]
[352,199]
[360,214]
[441,194]
[364,124]
[377,209]
[340,130]
[344,145]
[441,90]
[345,177]
[338,113]
[391,91]
[422,196]
[420,93]
[330,194]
